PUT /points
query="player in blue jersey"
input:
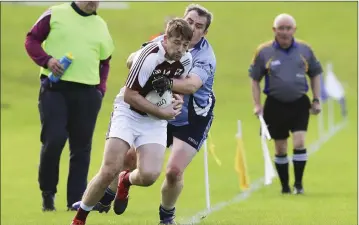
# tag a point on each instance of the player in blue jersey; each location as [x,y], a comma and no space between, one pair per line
[189,130]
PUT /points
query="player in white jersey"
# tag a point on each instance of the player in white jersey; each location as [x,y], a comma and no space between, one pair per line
[188,131]
[130,121]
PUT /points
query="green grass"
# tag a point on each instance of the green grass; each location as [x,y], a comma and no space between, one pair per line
[238,28]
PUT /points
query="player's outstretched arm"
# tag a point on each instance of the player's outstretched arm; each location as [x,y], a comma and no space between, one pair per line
[197,75]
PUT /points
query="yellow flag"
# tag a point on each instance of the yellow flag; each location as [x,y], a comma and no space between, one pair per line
[240,164]
[212,151]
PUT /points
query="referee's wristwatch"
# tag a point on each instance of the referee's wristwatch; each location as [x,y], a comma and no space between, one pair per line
[315,100]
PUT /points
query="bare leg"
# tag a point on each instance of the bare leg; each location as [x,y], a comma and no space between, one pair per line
[150,162]
[181,155]
[131,163]
[113,161]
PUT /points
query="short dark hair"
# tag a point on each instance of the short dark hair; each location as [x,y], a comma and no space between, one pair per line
[202,11]
[178,27]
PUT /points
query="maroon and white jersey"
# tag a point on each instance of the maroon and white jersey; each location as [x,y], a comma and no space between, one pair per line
[147,63]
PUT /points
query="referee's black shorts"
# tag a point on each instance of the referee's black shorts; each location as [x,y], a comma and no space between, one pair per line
[284,117]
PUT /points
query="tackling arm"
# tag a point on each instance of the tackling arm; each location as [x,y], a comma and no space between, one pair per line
[188,85]
[198,75]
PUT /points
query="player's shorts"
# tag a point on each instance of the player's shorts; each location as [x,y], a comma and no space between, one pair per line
[136,132]
[284,117]
[194,133]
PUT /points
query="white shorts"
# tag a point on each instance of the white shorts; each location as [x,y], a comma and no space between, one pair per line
[136,130]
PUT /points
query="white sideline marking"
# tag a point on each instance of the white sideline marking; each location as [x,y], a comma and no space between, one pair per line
[258,184]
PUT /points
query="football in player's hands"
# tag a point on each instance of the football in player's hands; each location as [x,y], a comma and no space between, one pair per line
[166,100]
[161,101]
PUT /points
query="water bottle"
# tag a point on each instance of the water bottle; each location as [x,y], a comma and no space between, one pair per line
[65,62]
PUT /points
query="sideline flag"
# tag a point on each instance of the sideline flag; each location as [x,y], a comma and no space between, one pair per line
[212,151]
[335,89]
[269,172]
[240,161]
[323,91]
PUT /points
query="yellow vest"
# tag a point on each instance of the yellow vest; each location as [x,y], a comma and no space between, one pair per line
[87,38]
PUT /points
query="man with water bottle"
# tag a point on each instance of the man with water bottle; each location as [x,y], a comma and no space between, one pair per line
[74,63]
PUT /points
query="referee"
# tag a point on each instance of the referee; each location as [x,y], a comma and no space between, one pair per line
[69,108]
[284,63]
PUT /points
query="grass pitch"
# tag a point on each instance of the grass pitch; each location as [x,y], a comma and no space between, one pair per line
[238,28]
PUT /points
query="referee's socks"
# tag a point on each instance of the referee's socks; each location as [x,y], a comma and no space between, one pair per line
[281,163]
[299,160]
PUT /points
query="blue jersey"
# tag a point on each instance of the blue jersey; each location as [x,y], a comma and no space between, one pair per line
[201,103]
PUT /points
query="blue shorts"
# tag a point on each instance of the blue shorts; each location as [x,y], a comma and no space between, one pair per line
[194,133]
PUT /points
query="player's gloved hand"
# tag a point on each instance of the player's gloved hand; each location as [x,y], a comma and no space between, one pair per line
[162,83]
